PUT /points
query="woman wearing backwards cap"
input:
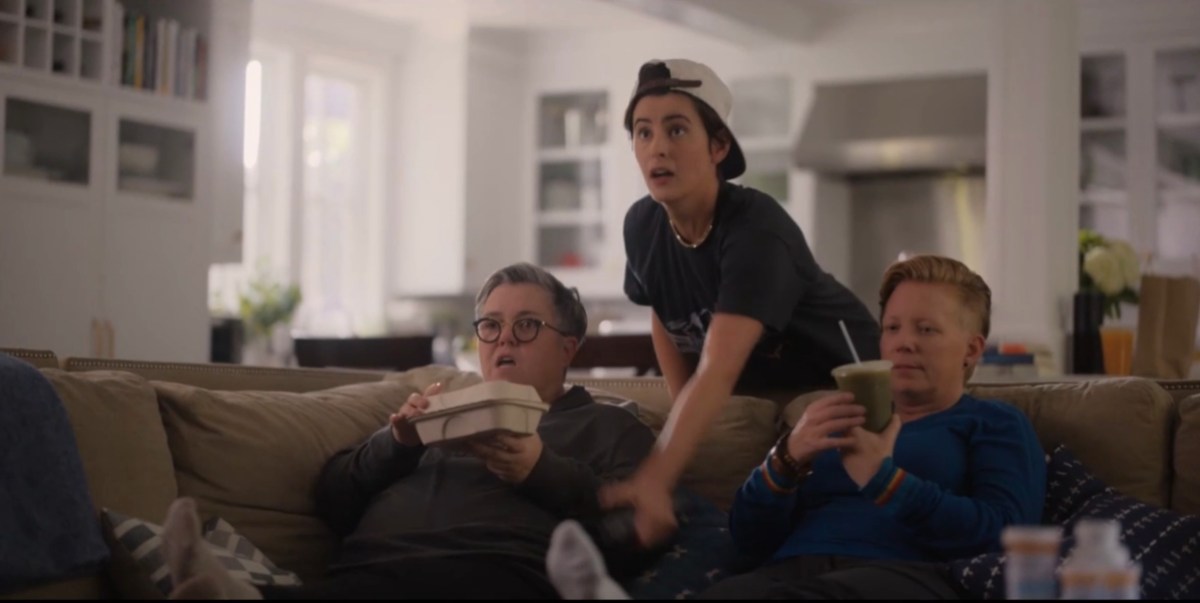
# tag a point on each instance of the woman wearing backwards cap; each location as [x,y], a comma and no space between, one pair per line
[738,301]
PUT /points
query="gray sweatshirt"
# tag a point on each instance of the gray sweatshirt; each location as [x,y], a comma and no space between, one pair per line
[392,502]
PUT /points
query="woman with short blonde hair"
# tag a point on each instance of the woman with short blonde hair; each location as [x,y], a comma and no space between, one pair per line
[841,512]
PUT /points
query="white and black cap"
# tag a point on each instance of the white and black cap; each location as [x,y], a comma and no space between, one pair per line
[702,83]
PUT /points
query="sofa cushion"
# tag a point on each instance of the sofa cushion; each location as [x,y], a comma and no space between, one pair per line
[121,440]
[734,446]
[650,393]
[1120,428]
[228,376]
[1069,486]
[602,396]
[142,541]
[253,457]
[795,409]
[90,587]
[1185,491]
[1162,541]
[419,379]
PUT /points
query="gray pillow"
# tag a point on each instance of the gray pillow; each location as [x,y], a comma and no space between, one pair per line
[142,541]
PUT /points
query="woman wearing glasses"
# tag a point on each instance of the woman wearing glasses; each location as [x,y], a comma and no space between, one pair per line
[739,303]
[421,522]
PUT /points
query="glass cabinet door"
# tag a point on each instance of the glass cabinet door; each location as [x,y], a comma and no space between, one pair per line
[573,120]
[1177,116]
[1103,179]
[46,142]
[572,132]
[761,118]
[155,160]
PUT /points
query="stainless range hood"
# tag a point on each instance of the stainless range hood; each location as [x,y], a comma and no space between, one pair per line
[913,125]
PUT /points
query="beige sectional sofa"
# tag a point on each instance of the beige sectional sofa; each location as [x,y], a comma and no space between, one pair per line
[247,443]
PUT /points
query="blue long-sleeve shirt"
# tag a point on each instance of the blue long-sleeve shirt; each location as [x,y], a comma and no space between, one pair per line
[955,480]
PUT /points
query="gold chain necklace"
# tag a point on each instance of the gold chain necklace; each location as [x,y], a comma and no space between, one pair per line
[703,237]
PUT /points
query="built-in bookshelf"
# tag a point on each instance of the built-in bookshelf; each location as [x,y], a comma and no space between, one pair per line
[118,117]
[158,46]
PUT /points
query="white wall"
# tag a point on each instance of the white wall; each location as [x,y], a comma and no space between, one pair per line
[500,135]
[230,42]
[1108,23]
[431,162]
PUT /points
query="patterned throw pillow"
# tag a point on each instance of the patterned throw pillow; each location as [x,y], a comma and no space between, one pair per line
[143,542]
[602,396]
[701,555]
[1165,543]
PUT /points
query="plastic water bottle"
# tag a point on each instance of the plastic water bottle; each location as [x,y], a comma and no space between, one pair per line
[1031,556]
[1099,567]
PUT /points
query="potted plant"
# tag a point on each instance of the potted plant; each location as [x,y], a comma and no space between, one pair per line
[266,308]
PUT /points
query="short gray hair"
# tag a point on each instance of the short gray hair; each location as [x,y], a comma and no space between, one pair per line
[569,310]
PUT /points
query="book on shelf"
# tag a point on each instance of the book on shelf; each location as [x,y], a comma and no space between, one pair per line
[161,55]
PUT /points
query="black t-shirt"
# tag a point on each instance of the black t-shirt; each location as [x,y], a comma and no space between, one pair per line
[754,263]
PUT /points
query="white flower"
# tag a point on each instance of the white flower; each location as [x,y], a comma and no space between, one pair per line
[1105,269]
[1129,262]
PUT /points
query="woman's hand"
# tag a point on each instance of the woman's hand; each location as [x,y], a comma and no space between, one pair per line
[402,429]
[865,455]
[511,458]
[653,507]
[825,424]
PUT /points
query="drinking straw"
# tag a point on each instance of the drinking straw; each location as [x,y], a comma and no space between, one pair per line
[846,333]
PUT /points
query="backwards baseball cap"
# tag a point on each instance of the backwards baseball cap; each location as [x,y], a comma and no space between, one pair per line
[702,83]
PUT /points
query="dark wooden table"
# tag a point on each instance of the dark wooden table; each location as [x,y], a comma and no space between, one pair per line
[616,351]
[394,353]
[399,353]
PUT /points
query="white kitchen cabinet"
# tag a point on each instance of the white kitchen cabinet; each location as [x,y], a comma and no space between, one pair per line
[1140,148]
[762,118]
[574,218]
[106,190]
[1177,157]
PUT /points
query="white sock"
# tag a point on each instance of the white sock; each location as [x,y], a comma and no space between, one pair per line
[195,571]
[576,568]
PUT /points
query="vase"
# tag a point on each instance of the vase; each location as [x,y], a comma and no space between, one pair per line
[274,349]
[1086,343]
[1117,342]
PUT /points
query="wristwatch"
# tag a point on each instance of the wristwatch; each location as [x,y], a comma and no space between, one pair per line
[785,464]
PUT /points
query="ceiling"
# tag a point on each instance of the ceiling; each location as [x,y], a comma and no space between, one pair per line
[516,14]
[746,22]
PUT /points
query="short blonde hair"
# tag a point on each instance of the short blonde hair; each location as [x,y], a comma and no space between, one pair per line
[975,294]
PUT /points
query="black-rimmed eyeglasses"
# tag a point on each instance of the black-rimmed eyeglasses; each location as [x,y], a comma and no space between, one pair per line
[524,330]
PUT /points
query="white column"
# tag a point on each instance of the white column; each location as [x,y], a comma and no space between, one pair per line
[429,210]
[1032,216]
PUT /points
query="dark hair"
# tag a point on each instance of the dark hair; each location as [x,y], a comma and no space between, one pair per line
[570,313]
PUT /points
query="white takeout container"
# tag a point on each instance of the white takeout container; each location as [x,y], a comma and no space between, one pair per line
[487,408]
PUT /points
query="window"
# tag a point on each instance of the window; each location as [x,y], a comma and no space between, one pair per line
[339,265]
[313,189]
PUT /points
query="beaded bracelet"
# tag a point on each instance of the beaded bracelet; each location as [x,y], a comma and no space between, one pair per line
[794,468]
